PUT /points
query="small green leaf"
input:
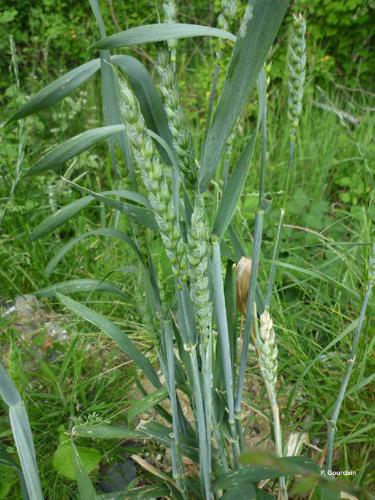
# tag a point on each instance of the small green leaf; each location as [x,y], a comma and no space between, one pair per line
[63,459]
[159,33]
[73,147]
[85,486]
[57,90]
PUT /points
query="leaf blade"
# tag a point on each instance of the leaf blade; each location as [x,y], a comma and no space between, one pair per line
[249,55]
[159,32]
[73,147]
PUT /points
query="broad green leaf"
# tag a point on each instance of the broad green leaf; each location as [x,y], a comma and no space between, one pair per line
[114,332]
[146,403]
[85,486]
[257,32]
[148,97]
[81,285]
[63,459]
[102,431]
[73,147]
[57,90]
[60,217]
[22,435]
[233,190]
[159,33]
[112,233]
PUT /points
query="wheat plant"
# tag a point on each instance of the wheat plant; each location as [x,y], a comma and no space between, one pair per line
[168,198]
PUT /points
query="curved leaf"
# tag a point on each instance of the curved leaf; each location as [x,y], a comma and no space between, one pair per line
[114,332]
[59,218]
[72,147]
[96,232]
[57,90]
[249,54]
[159,33]
[81,285]
[141,215]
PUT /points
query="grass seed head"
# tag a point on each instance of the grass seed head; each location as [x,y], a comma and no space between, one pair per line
[297,69]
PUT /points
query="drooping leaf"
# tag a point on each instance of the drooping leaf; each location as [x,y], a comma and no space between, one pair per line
[59,217]
[57,90]
[81,285]
[254,40]
[114,332]
[141,215]
[159,33]
[72,147]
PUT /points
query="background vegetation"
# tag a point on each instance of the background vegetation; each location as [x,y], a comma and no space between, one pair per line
[325,246]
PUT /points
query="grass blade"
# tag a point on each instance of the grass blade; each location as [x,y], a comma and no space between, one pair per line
[57,90]
[233,190]
[22,435]
[148,402]
[159,33]
[253,44]
[72,147]
[60,217]
[114,332]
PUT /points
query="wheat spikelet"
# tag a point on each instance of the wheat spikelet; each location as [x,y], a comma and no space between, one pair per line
[158,191]
[297,70]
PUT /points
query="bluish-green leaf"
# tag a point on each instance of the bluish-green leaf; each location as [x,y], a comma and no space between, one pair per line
[60,217]
[113,331]
[233,190]
[73,147]
[250,52]
[158,33]
[22,435]
[57,90]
